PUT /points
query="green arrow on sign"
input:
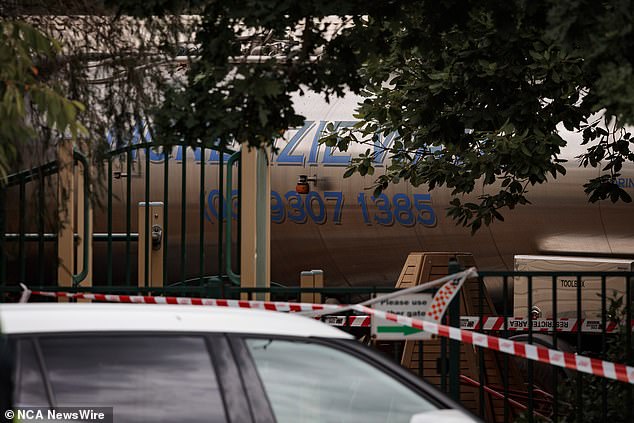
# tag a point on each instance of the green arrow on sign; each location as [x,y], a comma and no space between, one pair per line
[406,330]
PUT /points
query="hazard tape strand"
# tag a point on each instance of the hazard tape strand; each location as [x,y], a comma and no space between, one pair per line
[496,324]
[307,309]
[148,299]
[570,361]
[553,357]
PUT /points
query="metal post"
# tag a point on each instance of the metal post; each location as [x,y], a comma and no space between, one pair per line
[41,207]
[167,152]
[66,215]
[555,320]
[628,341]
[201,220]
[306,280]
[311,279]
[454,346]
[128,216]
[255,221]
[227,247]
[86,217]
[109,225]
[84,255]
[22,229]
[184,216]
[318,282]
[529,364]
[3,219]
[150,235]
[579,392]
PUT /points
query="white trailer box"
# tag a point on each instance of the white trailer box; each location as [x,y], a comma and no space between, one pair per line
[542,287]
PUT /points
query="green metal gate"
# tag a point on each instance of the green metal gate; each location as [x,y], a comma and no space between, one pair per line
[199,239]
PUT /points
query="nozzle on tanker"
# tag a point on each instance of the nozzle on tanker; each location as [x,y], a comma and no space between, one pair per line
[302,186]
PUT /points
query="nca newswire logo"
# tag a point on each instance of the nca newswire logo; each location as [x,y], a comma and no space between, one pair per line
[60,414]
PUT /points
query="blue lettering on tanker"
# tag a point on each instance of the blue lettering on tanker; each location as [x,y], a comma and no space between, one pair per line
[318,208]
[214,157]
[290,154]
[625,182]
[321,208]
[314,146]
[286,155]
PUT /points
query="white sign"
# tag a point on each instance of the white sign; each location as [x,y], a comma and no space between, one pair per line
[411,305]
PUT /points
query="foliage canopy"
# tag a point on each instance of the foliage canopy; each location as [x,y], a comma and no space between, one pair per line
[113,65]
[27,101]
[475,89]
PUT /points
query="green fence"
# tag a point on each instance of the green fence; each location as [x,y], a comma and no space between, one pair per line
[192,255]
[191,268]
[35,177]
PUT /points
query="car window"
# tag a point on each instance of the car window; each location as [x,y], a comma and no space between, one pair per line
[29,389]
[308,382]
[145,378]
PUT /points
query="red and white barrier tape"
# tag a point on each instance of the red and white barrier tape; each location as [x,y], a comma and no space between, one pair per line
[307,309]
[493,324]
[348,321]
[557,358]
[515,324]
[566,360]
[148,299]
[520,324]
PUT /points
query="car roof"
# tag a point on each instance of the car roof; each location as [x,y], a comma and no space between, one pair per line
[100,317]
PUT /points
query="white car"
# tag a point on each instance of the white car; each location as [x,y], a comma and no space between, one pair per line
[163,363]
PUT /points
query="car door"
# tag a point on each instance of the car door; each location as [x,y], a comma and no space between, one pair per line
[317,380]
[141,376]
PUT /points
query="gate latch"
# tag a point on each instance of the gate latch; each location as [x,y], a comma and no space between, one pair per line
[157,237]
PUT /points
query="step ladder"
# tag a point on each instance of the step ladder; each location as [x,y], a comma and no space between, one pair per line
[424,267]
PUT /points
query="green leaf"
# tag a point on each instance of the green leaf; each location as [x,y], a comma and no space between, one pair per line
[349,172]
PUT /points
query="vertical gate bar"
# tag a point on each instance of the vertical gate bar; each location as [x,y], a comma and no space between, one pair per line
[443,362]
[239,221]
[201,253]
[22,226]
[3,229]
[604,386]
[579,404]
[109,211]
[40,230]
[183,214]
[628,340]
[420,360]
[505,381]
[555,375]
[148,235]
[481,373]
[221,213]
[529,363]
[454,346]
[166,168]
[128,217]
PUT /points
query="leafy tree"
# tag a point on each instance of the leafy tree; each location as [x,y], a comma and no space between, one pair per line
[115,65]
[250,58]
[27,100]
[475,89]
